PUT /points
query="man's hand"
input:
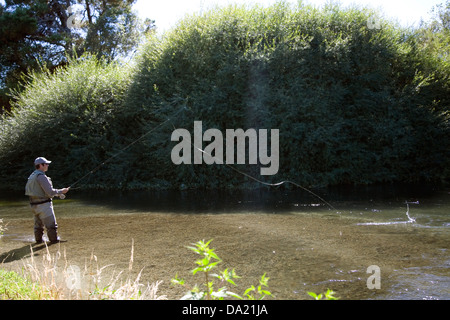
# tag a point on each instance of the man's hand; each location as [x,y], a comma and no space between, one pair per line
[65,190]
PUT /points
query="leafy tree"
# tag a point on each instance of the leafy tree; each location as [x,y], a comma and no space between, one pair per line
[37,33]
[434,35]
[110,27]
[441,18]
[31,32]
[353,104]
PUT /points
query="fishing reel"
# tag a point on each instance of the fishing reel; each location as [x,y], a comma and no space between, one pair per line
[61,196]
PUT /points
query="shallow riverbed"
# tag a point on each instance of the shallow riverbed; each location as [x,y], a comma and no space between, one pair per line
[301,243]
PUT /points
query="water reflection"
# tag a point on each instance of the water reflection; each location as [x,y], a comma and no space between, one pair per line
[422,205]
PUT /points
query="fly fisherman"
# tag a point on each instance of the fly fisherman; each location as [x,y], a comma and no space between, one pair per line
[40,190]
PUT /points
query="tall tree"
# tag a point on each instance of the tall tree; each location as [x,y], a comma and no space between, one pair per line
[108,28]
[31,32]
[36,33]
[433,39]
[435,34]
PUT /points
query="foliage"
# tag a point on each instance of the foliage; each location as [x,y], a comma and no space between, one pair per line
[206,264]
[53,279]
[111,29]
[28,34]
[434,35]
[38,33]
[329,295]
[65,115]
[353,104]
[15,287]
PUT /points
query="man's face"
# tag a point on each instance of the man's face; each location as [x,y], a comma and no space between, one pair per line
[44,167]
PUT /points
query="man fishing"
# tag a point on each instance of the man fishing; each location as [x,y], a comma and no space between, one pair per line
[40,190]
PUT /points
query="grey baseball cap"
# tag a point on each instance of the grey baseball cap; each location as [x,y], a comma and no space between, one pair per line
[41,160]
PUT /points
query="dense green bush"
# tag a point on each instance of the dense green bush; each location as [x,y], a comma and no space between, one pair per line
[353,104]
[68,117]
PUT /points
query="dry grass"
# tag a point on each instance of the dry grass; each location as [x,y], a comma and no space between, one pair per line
[55,279]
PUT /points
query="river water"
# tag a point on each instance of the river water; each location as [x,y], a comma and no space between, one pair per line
[391,214]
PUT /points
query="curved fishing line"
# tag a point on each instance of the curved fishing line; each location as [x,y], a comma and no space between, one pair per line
[125,148]
[281,183]
[263,182]
[233,168]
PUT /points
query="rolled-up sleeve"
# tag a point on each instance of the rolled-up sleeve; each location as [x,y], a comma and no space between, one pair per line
[44,182]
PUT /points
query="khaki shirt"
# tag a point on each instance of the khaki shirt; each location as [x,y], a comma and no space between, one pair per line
[39,187]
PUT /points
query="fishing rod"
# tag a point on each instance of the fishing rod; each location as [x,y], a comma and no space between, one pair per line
[125,148]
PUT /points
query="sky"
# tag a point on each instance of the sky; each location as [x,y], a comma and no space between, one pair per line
[166,13]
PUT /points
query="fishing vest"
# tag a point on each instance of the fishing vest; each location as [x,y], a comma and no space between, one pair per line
[33,188]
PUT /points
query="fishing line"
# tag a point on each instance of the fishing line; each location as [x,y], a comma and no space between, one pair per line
[125,148]
[263,182]
[233,168]
[281,183]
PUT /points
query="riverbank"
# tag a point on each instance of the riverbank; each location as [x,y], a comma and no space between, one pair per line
[299,252]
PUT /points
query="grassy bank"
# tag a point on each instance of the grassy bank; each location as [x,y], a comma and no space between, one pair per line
[53,278]
[16,287]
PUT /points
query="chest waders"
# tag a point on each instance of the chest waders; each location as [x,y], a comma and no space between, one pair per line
[42,208]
